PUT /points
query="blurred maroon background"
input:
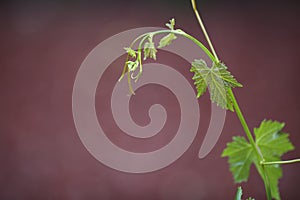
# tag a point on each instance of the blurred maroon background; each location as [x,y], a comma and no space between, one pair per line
[43,44]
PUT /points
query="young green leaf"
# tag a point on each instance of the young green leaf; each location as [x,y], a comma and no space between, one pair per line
[167,40]
[171,24]
[199,68]
[132,65]
[219,80]
[131,52]
[149,50]
[272,142]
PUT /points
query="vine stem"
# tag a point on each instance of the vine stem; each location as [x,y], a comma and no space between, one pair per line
[177,32]
[244,125]
[203,29]
[236,107]
[280,162]
[253,144]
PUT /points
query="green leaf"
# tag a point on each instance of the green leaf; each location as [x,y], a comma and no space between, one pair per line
[239,193]
[167,40]
[219,80]
[199,68]
[224,74]
[132,65]
[272,142]
[130,52]
[171,24]
[240,155]
[149,50]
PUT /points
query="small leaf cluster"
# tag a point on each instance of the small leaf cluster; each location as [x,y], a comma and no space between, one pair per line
[271,141]
[167,40]
[147,46]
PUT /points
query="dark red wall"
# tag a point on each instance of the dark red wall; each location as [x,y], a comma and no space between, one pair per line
[42,45]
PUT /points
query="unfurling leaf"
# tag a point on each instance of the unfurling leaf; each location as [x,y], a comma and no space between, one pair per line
[167,40]
[271,141]
[149,50]
[171,24]
[217,78]
[132,65]
[131,52]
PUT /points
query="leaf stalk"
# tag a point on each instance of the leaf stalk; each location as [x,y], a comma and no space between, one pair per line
[281,162]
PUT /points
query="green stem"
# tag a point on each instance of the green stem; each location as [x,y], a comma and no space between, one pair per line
[266,183]
[244,125]
[236,107]
[176,32]
[253,144]
[280,162]
[208,53]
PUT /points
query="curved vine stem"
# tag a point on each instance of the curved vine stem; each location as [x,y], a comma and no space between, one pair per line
[176,32]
